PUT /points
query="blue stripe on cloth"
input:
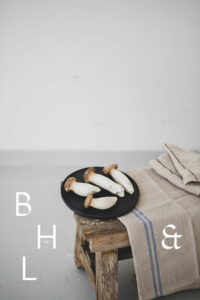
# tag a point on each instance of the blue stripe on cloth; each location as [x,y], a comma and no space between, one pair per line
[150,252]
[155,250]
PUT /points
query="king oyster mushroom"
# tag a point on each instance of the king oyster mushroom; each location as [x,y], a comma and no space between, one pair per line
[119,177]
[100,203]
[80,188]
[104,182]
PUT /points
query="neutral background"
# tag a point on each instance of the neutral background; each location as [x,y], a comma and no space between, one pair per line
[99,75]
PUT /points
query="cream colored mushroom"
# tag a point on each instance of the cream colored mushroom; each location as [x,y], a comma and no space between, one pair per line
[104,182]
[80,188]
[119,177]
[100,203]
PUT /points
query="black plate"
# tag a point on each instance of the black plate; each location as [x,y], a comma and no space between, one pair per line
[76,203]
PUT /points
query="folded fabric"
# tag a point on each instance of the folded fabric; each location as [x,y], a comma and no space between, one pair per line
[180,167]
[161,271]
[186,162]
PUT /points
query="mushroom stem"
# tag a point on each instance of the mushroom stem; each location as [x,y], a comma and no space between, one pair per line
[80,188]
[100,203]
[104,182]
[119,177]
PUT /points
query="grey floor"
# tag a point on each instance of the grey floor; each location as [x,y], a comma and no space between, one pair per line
[40,174]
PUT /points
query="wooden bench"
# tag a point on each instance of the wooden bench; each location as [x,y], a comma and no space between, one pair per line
[98,247]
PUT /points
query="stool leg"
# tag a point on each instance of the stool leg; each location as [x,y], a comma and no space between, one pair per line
[106,275]
[78,244]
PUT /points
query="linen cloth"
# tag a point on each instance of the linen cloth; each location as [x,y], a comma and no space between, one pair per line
[161,271]
[186,162]
[180,167]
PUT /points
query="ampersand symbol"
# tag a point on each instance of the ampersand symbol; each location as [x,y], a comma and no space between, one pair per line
[175,236]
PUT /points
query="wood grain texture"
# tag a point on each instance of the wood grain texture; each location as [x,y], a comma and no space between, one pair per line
[88,263]
[94,227]
[78,243]
[109,242]
[107,275]
[99,246]
[103,235]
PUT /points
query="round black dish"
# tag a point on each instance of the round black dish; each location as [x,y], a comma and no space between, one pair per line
[76,203]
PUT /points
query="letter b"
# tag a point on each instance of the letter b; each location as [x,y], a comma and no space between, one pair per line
[20,204]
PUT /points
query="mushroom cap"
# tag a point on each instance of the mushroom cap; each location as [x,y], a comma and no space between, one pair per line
[88,173]
[68,183]
[107,169]
[88,201]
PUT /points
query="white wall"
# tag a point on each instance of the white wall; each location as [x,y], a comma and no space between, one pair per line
[106,75]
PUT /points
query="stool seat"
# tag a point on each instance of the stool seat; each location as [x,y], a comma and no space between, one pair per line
[98,247]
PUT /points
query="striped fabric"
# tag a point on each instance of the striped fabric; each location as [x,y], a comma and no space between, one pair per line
[152,249]
[160,271]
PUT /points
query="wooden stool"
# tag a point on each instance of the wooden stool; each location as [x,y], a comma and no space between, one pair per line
[99,245]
